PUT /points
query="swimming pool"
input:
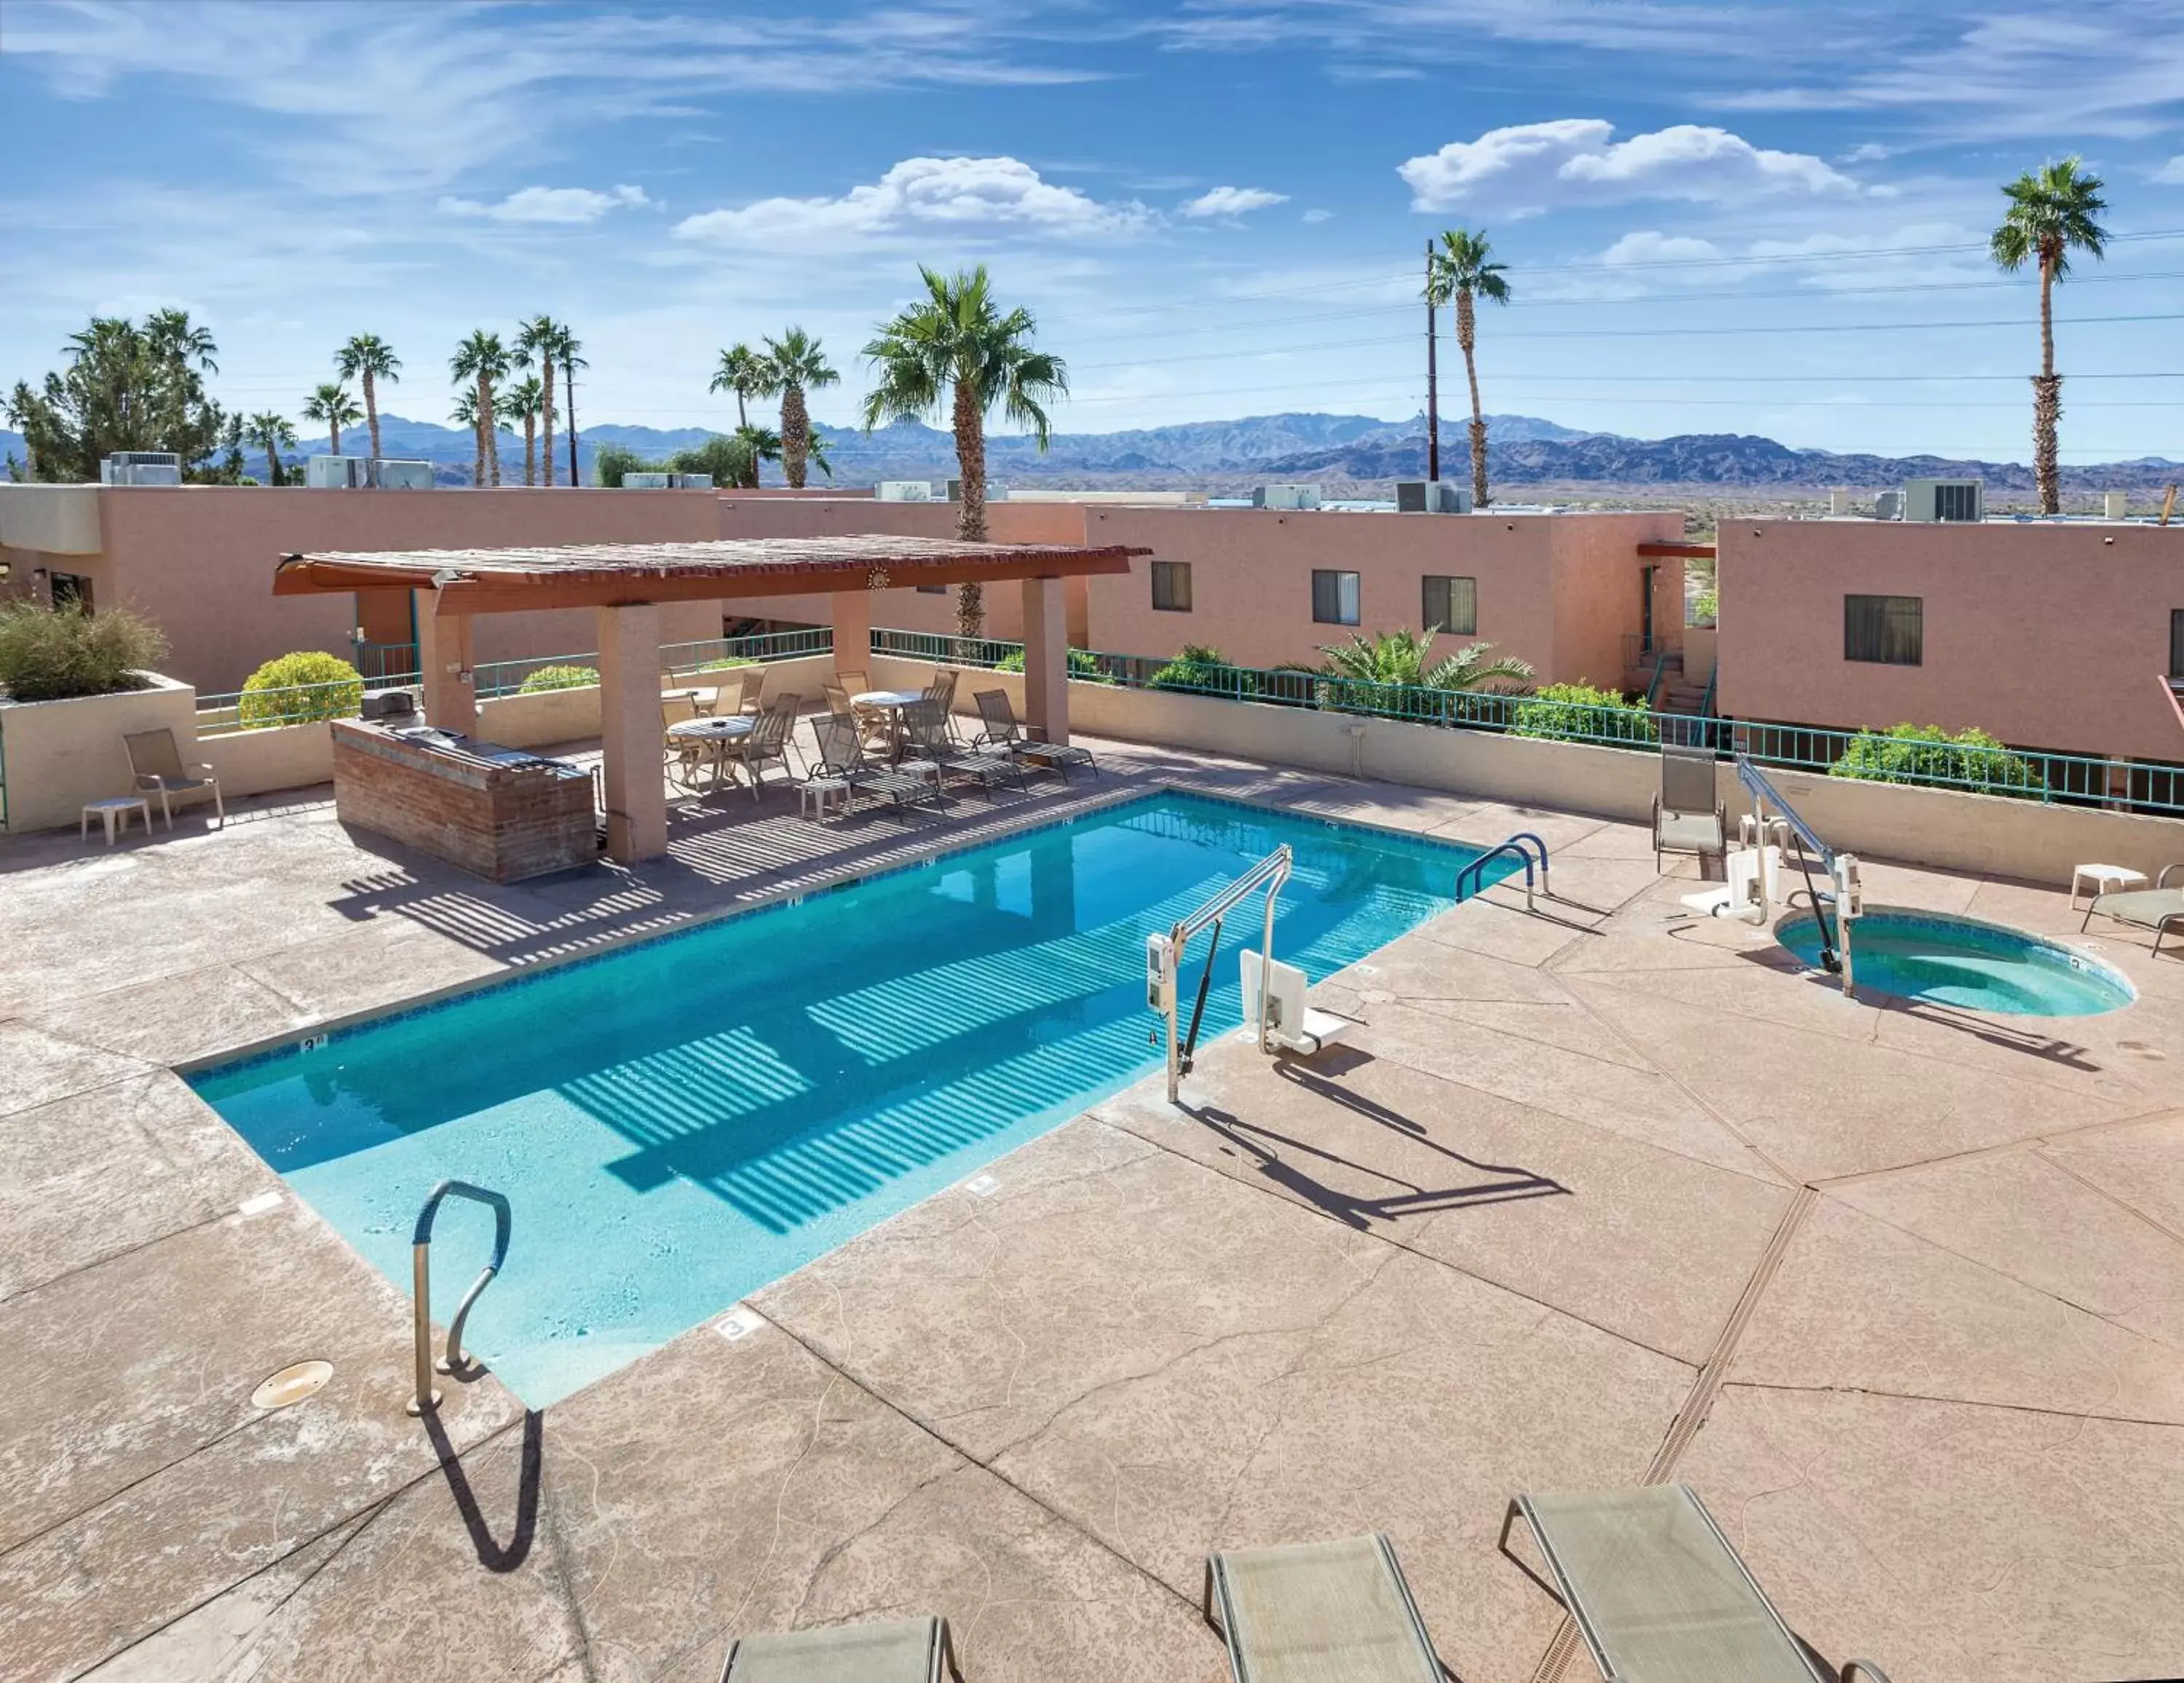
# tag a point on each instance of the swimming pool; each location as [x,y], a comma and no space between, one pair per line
[679,1122]
[1963,961]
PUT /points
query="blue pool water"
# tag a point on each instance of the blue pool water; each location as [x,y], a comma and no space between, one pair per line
[1961,961]
[680,1122]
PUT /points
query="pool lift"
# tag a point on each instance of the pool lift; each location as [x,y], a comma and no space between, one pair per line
[1276,1018]
[1754,866]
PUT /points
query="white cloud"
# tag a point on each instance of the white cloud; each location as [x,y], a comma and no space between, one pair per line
[566,205]
[1575,160]
[1865,152]
[2171,174]
[970,194]
[1318,215]
[1232,202]
[1645,248]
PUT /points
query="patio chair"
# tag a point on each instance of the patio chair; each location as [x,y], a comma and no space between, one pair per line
[1688,814]
[156,764]
[768,741]
[752,691]
[2159,908]
[903,1651]
[942,689]
[1004,734]
[680,754]
[1318,1613]
[925,724]
[853,682]
[841,759]
[1656,1591]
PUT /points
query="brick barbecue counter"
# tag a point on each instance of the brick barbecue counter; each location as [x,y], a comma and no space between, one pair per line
[500,812]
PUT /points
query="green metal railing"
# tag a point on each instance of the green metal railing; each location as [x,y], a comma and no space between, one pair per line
[222,715]
[506,677]
[983,652]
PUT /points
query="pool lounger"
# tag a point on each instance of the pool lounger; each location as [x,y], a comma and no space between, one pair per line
[901,1650]
[1311,1613]
[2159,908]
[1656,1593]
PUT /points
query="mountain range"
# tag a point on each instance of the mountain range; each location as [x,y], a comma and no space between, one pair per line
[1342,449]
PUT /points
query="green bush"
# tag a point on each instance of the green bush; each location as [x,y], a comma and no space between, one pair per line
[1083,666]
[723,665]
[51,653]
[1706,608]
[1206,670]
[1577,712]
[1927,754]
[298,687]
[558,678]
[614,460]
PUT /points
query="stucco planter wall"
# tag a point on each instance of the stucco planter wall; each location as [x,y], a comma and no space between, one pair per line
[58,755]
[274,757]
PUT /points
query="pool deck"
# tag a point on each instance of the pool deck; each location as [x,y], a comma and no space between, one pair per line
[1597,1195]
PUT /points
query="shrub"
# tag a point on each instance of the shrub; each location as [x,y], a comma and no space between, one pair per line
[1083,666]
[720,665]
[558,678]
[614,460]
[1706,608]
[51,653]
[1927,754]
[298,687]
[1577,712]
[1206,670]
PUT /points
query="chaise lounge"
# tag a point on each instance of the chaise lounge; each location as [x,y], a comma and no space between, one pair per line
[1318,1613]
[2159,908]
[901,1650]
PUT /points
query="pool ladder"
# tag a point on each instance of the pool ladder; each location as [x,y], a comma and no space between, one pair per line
[1524,845]
[427,1395]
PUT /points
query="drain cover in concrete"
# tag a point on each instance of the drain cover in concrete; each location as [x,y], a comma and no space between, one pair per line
[291,1385]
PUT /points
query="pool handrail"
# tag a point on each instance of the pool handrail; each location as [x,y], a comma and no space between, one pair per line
[427,1395]
[1475,869]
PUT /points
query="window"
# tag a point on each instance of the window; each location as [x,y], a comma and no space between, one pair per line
[1172,586]
[70,590]
[1334,597]
[1451,605]
[1887,629]
[2176,642]
[932,590]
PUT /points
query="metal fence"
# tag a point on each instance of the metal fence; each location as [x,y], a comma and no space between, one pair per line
[508,677]
[252,710]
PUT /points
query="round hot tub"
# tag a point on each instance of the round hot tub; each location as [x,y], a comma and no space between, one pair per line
[1961,961]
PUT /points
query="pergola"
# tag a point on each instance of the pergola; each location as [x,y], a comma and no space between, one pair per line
[625,583]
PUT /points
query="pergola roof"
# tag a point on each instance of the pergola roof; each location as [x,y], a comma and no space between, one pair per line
[620,575]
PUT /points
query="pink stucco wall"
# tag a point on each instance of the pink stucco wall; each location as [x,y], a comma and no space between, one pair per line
[2046,636]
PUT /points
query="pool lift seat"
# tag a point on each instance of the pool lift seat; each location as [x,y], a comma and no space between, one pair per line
[1754,868]
[1291,1025]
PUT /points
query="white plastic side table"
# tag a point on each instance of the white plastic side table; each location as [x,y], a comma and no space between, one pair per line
[2107,879]
[114,811]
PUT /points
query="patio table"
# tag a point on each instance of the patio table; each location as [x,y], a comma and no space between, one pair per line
[702,699]
[716,733]
[890,702]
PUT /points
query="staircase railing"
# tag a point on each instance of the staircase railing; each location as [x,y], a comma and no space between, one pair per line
[1520,844]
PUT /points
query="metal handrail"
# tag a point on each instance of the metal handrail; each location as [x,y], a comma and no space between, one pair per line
[1269,874]
[1476,869]
[420,1262]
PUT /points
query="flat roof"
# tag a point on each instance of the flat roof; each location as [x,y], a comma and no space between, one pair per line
[620,575]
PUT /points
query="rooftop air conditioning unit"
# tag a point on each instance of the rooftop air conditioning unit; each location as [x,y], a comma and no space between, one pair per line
[1942,499]
[1285,497]
[690,481]
[1888,505]
[903,490]
[140,467]
[647,481]
[337,473]
[1431,497]
[397,475]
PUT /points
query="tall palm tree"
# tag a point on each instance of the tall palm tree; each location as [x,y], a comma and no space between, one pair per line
[568,350]
[482,358]
[370,358]
[535,342]
[2051,210]
[333,407]
[527,399]
[956,338]
[171,337]
[1461,269]
[742,370]
[272,434]
[758,444]
[795,364]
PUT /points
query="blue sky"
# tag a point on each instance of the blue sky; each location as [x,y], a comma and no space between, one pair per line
[1719,218]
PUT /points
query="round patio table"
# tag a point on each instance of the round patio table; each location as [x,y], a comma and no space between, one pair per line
[702,699]
[890,702]
[715,733]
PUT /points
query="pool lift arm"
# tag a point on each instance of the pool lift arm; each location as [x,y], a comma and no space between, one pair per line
[1164,959]
[1844,895]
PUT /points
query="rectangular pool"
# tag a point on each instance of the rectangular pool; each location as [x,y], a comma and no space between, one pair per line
[679,1122]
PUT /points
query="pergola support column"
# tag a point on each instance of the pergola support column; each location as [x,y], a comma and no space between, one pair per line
[445,660]
[1046,659]
[853,630]
[629,733]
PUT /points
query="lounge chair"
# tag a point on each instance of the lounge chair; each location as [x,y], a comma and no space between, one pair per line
[1003,735]
[903,1651]
[768,741]
[841,759]
[1318,1613]
[926,725]
[1656,1593]
[156,763]
[1688,814]
[2159,908]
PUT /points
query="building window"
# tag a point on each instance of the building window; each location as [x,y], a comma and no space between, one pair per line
[1333,597]
[1887,629]
[2176,642]
[1172,586]
[932,590]
[1451,605]
[70,590]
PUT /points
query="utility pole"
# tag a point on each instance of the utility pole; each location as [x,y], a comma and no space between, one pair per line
[1433,380]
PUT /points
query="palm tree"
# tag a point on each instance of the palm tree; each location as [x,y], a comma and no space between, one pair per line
[535,342]
[794,363]
[956,336]
[567,350]
[482,358]
[2051,210]
[527,398]
[1401,657]
[1460,270]
[333,407]
[742,371]
[369,358]
[815,448]
[171,337]
[272,434]
[756,445]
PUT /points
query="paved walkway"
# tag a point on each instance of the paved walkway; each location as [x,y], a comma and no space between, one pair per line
[1599,1195]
